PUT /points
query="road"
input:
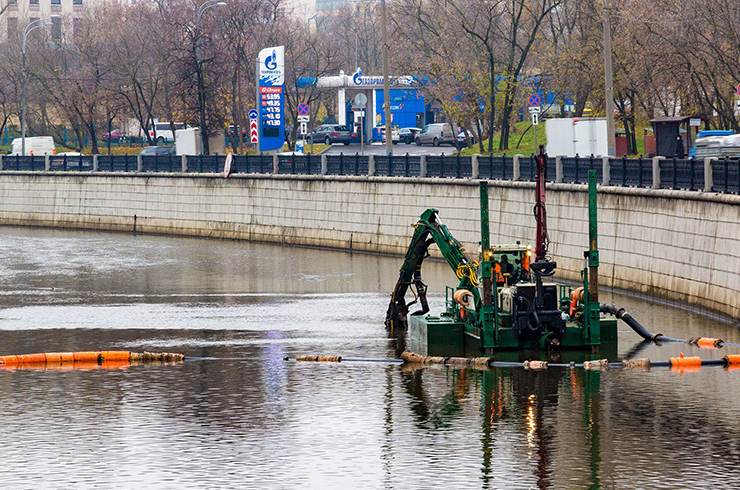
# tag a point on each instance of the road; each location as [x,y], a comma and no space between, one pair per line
[399,149]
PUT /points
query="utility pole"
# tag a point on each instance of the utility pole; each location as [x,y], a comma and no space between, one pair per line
[608,87]
[386,83]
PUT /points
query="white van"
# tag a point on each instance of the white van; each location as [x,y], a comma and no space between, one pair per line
[436,134]
[164,134]
[35,145]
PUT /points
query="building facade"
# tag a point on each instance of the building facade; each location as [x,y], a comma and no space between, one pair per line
[18,13]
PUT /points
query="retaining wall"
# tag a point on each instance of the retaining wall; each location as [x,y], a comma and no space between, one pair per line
[677,244]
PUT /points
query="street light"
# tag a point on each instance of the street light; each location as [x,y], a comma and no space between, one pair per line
[199,71]
[386,84]
[34,24]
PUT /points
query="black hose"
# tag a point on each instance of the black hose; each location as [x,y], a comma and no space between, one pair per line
[621,314]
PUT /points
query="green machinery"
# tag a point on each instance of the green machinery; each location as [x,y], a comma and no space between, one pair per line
[505,300]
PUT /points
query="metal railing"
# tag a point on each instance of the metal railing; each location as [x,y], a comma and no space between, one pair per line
[631,172]
[708,175]
[726,176]
[575,169]
[682,173]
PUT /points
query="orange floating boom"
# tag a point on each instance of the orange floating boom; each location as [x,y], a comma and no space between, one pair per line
[86,358]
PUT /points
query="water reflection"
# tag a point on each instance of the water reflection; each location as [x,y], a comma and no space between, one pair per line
[241,417]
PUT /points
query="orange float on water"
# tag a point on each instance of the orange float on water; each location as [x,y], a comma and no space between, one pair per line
[85,359]
[708,343]
[688,364]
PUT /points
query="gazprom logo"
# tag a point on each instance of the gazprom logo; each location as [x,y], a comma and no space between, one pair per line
[271,61]
[357,77]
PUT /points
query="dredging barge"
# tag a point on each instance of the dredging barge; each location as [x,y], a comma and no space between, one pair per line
[505,300]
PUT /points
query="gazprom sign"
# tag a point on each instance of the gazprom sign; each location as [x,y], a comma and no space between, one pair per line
[357,79]
[271,98]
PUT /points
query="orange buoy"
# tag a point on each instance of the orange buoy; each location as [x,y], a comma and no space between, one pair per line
[682,363]
[708,343]
[733,361]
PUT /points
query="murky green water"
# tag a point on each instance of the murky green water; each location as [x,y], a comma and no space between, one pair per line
[247,419]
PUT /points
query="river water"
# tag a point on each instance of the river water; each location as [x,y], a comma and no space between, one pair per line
[242,417]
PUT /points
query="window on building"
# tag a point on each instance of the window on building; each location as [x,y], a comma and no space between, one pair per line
[56,28]
[12,1]
[56,2]
[12,27]
[33,2]
[76,2]
[76,27]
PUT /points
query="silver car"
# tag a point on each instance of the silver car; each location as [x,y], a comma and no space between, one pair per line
[436,134]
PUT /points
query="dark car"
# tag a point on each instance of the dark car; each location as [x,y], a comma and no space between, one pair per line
[329,134]
[158,151]
[407,135]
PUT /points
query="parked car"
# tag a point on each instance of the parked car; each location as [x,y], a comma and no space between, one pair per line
[161,132]
[436,134]
[114,135]
[394,135]
[462,141]
[329,134]
[408,135]
[157,151]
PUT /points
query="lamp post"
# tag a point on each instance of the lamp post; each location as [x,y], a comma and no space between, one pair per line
[386,83]
[35,24]
[199,65]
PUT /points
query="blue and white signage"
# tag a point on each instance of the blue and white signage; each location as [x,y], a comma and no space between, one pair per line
[252,114]
[357,79]
[271,98]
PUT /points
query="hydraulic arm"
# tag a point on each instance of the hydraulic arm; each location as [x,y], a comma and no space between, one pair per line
[428,230]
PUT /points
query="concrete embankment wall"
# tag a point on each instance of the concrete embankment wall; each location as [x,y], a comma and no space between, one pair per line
[675,244]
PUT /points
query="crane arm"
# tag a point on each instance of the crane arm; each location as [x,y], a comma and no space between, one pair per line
[428,230]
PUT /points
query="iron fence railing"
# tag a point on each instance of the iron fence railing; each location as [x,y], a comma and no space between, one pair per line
[726,175]
[723,175]
[117,163]
[449,166]
[346,164]
[631,172]
[398,165]
[575,169]
[682,173]
[491,167]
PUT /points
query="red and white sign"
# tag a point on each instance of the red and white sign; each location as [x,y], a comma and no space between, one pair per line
[253,133]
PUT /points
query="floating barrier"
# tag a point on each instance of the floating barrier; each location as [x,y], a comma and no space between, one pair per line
[680,364]
[87,359]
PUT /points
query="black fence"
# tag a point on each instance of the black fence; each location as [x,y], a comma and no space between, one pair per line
[115,163]
[18,162]
[345,164]
[675,173]
[491,167]
[398,165]
[726,175]
[682,173]
[449,166]
[528,169]
[631,172]
[575,169]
